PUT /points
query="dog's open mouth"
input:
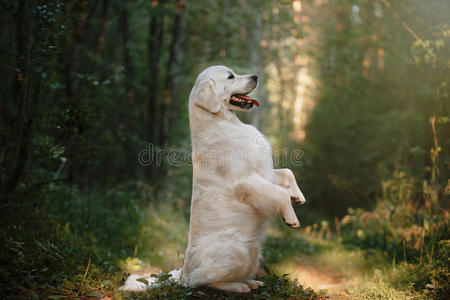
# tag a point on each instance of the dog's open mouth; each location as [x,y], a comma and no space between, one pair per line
[243,101]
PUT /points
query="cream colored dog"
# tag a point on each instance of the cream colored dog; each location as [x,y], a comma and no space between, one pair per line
[235,188]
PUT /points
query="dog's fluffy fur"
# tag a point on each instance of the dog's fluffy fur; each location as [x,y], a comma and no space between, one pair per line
[235,188]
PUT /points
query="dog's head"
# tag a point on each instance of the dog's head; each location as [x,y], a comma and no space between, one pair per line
[218,87]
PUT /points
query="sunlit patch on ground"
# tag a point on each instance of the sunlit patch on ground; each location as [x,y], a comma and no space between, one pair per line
[135,265]
[319,278]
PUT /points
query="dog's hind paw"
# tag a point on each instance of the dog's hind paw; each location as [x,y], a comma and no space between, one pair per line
[254,284]
[235,287]
[132,284]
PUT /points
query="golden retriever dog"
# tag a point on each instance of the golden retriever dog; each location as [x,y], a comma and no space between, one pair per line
[235,187]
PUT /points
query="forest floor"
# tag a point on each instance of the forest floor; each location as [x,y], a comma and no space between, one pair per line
[318,268]
[299,264]
[49,260]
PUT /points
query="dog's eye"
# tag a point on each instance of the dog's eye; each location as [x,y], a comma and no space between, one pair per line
[231,76]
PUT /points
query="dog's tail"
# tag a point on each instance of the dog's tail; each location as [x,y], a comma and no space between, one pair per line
[138,283]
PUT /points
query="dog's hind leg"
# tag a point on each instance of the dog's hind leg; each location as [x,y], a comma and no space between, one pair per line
[222,263]
[266,198]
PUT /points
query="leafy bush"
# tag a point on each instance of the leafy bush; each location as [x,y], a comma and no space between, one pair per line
[410,224]
[63,230]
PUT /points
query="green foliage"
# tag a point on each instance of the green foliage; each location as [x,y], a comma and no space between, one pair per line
[378,88]
[411,225]
[50,248]
[420,243]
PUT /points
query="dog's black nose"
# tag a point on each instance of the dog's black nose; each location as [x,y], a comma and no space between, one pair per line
[254,77]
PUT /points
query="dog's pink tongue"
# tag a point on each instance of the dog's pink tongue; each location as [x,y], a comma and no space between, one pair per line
[254,101]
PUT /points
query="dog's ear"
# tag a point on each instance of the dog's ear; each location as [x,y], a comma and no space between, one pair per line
[206,97]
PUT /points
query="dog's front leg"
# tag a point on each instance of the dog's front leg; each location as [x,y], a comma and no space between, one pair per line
[286,179]
[266,198]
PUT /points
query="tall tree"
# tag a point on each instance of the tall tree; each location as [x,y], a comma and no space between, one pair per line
[167,109]
[155,44]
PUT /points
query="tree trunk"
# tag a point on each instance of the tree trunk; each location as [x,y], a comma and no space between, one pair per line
[72,61]
[155,40]
[128,98]
[19,127]
[168,99]
[125,34]
[257,61]
[104,23]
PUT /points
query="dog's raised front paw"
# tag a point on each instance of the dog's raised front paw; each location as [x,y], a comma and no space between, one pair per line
[293,224]
[298,200]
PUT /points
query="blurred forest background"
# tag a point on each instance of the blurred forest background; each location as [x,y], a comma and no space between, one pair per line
[359,87]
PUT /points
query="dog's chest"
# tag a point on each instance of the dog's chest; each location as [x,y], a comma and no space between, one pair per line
[233,147]
[250,147]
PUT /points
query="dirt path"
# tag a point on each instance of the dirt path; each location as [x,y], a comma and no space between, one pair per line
[319,278]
